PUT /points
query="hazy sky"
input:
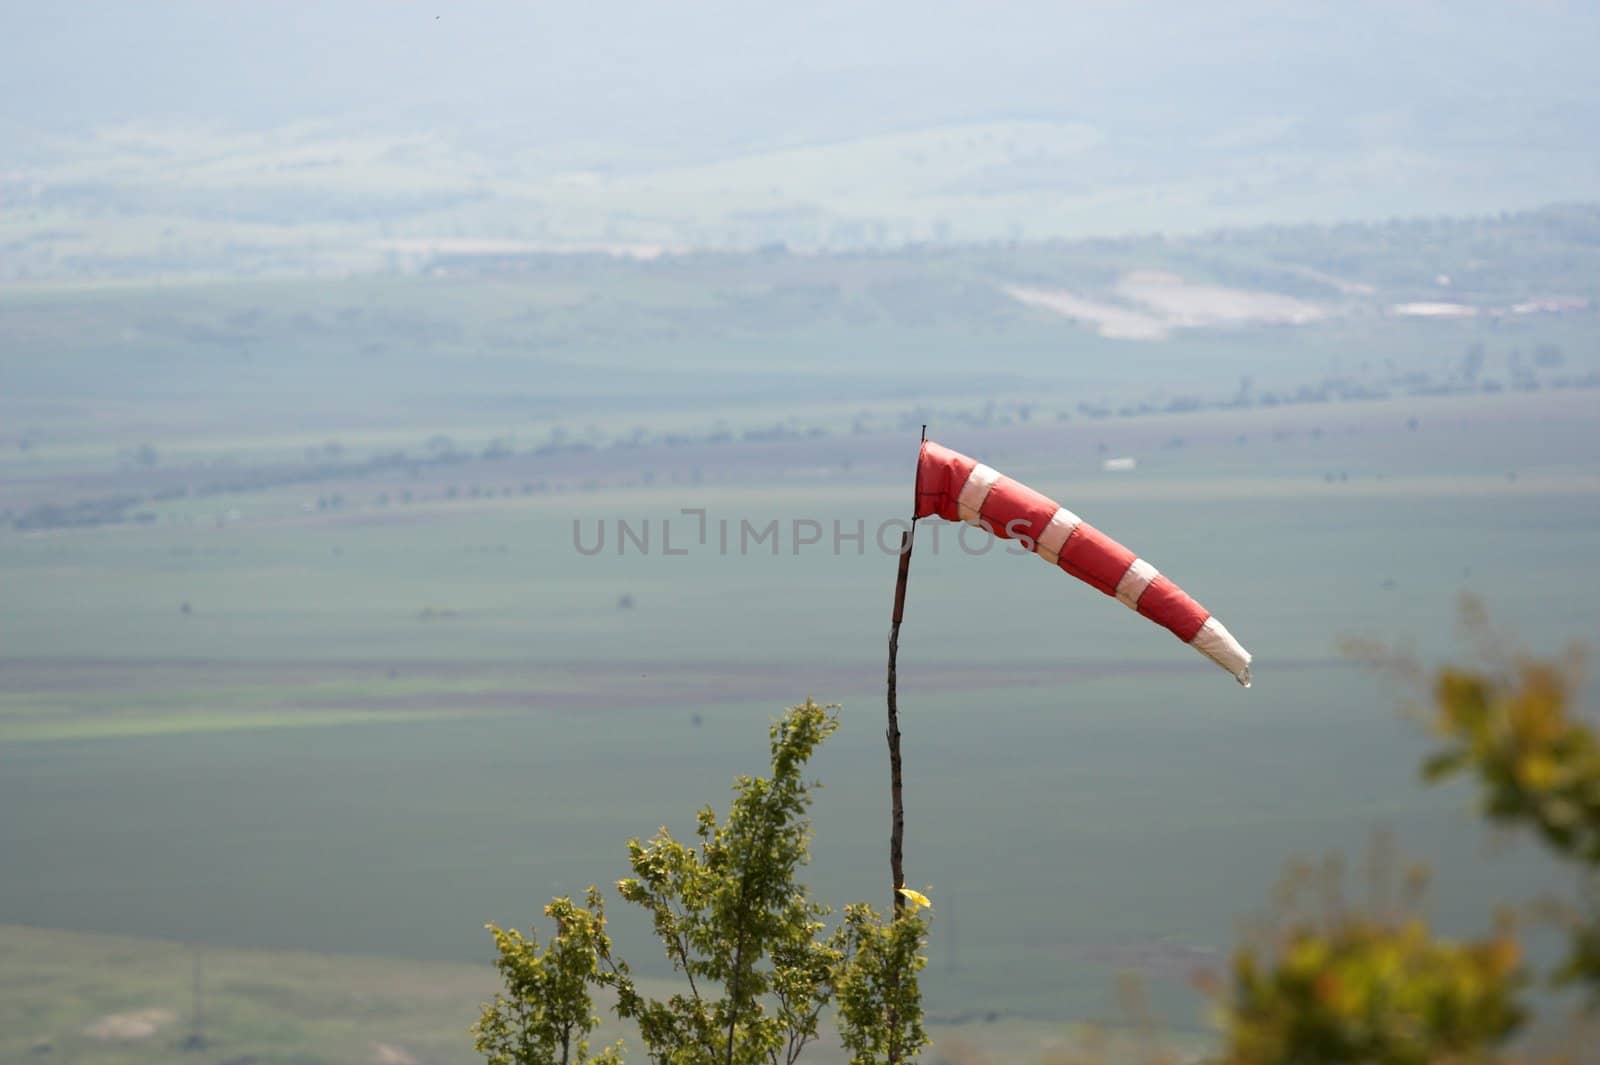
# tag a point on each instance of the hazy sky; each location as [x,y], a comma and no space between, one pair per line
[718,73]
[621,120]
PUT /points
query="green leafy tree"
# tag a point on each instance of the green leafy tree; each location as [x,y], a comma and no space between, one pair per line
[733,918]
[545,1014]
[749,941]
[1368,989]
[879,998]
[1371,988]
[1511,723]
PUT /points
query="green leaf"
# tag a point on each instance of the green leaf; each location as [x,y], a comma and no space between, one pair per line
[1439,766]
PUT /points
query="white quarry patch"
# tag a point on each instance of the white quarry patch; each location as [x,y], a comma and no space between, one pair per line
[1149,305]
[1183,304]
[1109,320]
[1433,309]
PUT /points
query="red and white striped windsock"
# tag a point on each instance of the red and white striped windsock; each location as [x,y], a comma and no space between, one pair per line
[958,488]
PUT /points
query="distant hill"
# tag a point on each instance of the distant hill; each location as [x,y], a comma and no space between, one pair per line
[189,141]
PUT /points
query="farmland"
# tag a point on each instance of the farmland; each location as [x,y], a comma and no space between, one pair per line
[305,661]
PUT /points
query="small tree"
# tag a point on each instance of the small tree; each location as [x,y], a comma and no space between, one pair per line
[879,998]
[1511,723]
[544,1017]
[1375,988]
[745,935]
[1330,986]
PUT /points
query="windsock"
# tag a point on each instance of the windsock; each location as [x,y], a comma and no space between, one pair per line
[957,488]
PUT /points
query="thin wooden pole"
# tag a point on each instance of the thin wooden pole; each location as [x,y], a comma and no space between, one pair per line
[897,828]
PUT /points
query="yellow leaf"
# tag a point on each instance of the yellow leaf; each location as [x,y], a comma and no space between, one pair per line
[917,899]
[1538,771]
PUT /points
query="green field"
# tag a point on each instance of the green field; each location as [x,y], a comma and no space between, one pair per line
[322,674]
[306,762]
[121,1000]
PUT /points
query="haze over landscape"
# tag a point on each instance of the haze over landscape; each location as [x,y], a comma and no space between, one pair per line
[330,335]
[262,139]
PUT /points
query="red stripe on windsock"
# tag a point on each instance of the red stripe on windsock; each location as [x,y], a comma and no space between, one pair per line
[1094,558]
[1012,511]
[940,476]
[1168,605]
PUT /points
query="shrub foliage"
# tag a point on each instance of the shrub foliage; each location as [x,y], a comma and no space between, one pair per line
[758,964]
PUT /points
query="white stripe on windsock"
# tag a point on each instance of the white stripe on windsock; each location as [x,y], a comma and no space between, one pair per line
[975,491]
[1134,582]
[1217,643]
[1054,537]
